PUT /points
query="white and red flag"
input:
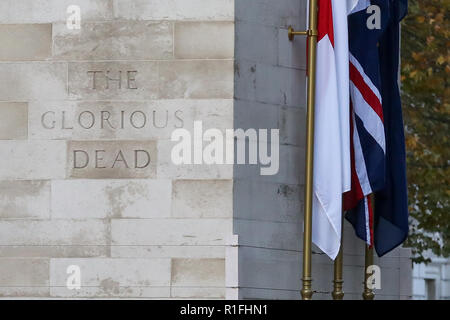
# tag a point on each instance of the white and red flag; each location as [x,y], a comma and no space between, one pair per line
[332,161]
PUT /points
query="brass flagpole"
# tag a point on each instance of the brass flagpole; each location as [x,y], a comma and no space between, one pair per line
[312,34]
[368,293]
[338,282]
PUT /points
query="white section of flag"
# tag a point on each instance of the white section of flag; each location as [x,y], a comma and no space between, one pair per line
[332,175]
[341,52]
[357,5]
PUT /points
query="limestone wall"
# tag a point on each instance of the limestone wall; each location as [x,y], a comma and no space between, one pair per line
[81,114]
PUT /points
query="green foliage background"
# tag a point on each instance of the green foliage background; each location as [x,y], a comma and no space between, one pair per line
[425,93]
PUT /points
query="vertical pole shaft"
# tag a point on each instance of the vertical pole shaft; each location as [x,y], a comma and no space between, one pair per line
[338,282]
[368,293]
[307,236]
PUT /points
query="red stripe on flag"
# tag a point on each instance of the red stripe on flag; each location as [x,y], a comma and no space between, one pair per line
[352,197]
[325,23]
[367,93]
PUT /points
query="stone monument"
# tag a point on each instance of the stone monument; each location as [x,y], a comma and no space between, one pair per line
[92,203]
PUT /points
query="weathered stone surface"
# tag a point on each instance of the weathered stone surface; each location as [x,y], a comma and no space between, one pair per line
[51,120]
[197,293]
[55,250]
[138,80]
[270,84]
[25,199]
[25,42]
[209,79]
[113,277]
[198,273]
[291,171]
[53,232]
[270,201]
[30,160]
[16,128]
[292,125]
[161,251]
[270,13]
[282,86]
[24,277]
[193,232]
[46,11]
[111,159]
[202,199]
[272,235]
[87,199]
[128,120]
[256,42]
[127,40]
[168,170]
[257,263]
[202,10]
[32,81]
[269,294]
[291,54]
[256,115]
[204,40]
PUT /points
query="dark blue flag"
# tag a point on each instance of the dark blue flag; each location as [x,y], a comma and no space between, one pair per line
[391,203]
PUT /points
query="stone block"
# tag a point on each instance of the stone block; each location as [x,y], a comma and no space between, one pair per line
[113,80]
[204,40]
[140,278]
[32,160]
[130,120]
[266,12]
[167,169]
[127,40]
[170,232]
[198,273]
[24,277]
[16,128]
[33,81]
[90,199]
[47,11]
[256,42]
[162,251]
[24,42]
[194,79]
[270,201]
[202,10]
[24,199]
[111,159]
[202,199]
[291,54]
[53,232]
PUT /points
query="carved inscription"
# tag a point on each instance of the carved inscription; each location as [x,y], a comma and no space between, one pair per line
[104,80]
[112,119]
[112,159]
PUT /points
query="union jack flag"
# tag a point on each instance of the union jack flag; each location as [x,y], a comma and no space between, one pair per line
[368,144]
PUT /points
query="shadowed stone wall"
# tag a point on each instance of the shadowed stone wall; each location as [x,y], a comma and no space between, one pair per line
[270,88]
